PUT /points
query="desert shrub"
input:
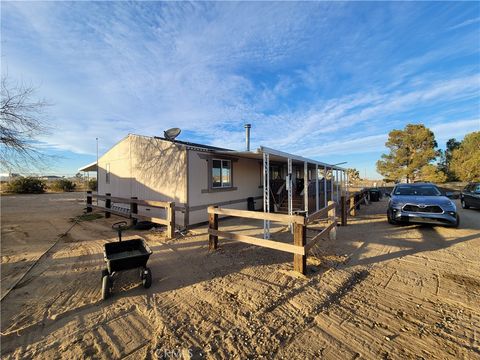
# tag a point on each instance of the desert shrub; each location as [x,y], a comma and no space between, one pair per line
[26,185]
[92,184]
[62,185]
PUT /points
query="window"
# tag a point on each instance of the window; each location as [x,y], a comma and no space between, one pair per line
[415,190]
[107,174]
[221,173]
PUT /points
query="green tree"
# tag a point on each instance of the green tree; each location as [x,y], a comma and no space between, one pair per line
[465,161]
[353,175]
[410,150]
[446,159]
[432,173]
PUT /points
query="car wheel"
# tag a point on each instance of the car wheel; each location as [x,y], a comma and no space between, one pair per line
[106,287]
[147,280]
[457,223]
[390,220]
[464,204]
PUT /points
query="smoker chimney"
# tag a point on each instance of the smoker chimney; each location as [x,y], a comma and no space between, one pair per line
[247,136]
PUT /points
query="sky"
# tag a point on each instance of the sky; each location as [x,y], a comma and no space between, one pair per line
[325,80]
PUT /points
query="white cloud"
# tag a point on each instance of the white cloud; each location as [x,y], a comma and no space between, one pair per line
[361,144]
[111,69]
[456,129]
[465,23]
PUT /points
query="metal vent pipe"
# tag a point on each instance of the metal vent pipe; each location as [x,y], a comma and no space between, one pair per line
[247,136]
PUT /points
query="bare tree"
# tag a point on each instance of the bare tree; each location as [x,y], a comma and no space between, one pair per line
[22,121]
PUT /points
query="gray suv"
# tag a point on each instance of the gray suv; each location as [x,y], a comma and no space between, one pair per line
[421,203]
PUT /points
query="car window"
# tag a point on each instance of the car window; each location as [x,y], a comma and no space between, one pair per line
[426,190]
[467,188]
[476,189]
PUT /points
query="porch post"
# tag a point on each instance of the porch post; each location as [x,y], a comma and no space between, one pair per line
[305,185]
[337,176]
[346,183]
[266,194]
[331,186]
[289,189]
[325,191]
[317,203]
[341,183]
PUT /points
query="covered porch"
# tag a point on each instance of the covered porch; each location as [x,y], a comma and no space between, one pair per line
[294,184]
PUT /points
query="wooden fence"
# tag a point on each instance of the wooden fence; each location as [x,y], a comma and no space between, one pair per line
[299,248]
[132,211]
[350,204]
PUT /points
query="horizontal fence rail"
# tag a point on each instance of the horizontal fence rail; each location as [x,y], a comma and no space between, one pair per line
[132,211]
[320,213]
[283,218]
[299,248]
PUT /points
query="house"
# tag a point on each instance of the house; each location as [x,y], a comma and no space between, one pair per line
[196,176]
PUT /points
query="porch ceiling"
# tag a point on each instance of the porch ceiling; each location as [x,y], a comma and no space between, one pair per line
[278,156]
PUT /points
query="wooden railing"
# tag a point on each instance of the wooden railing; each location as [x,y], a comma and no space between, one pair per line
[132,211]
[299,248]
[351,203]
[355,200]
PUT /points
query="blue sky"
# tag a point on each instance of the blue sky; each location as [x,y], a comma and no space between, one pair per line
[326,80]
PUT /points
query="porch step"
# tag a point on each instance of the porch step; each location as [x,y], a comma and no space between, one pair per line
[297,202]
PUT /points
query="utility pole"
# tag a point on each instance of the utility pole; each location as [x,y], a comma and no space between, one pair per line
[97,162]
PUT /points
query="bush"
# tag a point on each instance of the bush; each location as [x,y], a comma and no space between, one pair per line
[92,184]
[27,185]
[63,185]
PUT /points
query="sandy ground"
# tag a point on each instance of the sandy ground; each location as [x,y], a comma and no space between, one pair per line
[377,292]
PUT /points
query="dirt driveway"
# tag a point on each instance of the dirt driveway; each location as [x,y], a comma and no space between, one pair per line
[378,291]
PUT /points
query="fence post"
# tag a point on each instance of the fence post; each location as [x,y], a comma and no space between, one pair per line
[89,201]
[108,204]
[300,239]
[186,221]
[343,209]
[212,224]
[134,210]
[171,219]
[333,218]
[352,205]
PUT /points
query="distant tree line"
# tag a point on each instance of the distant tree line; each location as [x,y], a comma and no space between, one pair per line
[414,156]
[35,185]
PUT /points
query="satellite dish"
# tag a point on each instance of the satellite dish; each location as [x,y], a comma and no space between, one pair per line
[172,133]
